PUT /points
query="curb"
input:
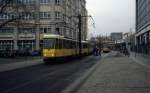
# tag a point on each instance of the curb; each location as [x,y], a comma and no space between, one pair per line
[77,83]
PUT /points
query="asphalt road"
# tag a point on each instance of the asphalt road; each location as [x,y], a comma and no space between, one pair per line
[17,59]
[51,78]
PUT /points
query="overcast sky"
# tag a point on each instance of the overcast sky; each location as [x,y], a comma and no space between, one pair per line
[111,15]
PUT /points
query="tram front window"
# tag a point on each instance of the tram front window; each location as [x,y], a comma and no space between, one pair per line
[49,43]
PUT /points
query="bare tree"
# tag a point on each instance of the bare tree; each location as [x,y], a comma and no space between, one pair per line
[13,7]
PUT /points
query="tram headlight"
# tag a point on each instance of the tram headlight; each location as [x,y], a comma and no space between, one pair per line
[52,55]
[45,55]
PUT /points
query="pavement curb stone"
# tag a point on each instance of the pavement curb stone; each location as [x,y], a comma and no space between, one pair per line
[77,83]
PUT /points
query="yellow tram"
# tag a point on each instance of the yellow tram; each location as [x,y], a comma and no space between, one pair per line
[57,46]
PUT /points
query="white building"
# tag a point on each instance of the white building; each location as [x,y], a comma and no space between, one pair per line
[46,16]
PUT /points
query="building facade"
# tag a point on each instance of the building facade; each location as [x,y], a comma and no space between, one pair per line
[143,26]
[46,16]
[116,36]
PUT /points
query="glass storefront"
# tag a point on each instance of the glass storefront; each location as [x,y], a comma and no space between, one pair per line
[6,44]
[26,44]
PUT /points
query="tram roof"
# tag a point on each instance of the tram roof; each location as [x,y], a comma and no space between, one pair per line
[52,36]
[84,41]
[46,36]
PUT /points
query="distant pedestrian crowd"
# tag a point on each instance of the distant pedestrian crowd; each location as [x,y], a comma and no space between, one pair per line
[97,51]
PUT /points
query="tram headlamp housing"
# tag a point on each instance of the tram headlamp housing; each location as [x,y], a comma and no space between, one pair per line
[45,55]
[52,55]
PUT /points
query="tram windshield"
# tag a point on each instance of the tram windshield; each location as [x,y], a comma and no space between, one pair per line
[49,43]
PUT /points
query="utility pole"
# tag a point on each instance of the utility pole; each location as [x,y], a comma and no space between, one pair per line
[80,29]
[80,32]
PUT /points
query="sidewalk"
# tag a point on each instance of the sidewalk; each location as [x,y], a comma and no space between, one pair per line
[141,59]
[116,74]
[7,66]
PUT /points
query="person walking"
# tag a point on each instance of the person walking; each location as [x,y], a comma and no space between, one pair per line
[95,51]
[100,51]
[127,52]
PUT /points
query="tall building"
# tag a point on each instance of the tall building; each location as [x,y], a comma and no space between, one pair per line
[143,26]
[46,16]
[116,36]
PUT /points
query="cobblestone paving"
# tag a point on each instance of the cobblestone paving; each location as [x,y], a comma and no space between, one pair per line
[118,74]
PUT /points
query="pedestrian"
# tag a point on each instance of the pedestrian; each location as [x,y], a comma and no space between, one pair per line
[127,52]
[96,51]
[100,51]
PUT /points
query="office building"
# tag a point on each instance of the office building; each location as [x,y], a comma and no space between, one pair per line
[143,26]
[46,16]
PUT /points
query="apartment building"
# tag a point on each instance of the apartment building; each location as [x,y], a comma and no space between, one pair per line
[46,16]
[143,26]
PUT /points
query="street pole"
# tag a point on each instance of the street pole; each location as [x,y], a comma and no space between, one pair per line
[80,29]
[25,45]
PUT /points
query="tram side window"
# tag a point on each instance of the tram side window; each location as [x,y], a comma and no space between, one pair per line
[57,44]
[86,45]
[73,44]
[82,45]
[60,44]
[69,44]
[65,44]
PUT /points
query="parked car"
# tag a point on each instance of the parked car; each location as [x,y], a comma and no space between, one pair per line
[106,50]
[35,53]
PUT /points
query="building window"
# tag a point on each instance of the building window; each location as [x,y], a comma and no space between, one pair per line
[57,30]
[26,16]
[6,30]
[5,16]
[57,2]
[29,30]
[45,30]
[28,2]
[45,15]
[57,15]
[44,1]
